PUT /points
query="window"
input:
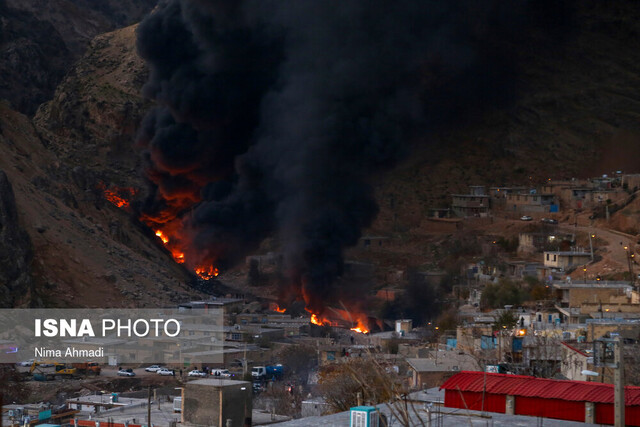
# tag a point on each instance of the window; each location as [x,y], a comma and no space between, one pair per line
[331,355]
[547,257]
[549,319]
[358,419]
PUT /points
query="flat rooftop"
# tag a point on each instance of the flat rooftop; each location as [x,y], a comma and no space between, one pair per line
[441,416]
[218,382]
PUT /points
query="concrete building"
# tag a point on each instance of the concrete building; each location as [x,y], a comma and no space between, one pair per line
[529,243]
[433,371]
[475,204]
[574,294]
[531,203]
[566,259]
[574,362]
[631,181]
[211,402]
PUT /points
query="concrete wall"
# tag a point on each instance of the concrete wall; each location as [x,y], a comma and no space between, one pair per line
[210,402]
[578,296]
[424,380]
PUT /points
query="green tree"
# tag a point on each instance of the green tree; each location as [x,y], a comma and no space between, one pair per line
[506,320]
[505,292]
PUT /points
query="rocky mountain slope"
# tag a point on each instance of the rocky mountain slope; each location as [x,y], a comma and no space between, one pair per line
[86,252]
[39,41]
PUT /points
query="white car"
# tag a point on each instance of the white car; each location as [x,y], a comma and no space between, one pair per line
[153,368]
[221,373]
[126,373]
[26,363]
[526,218]
[165,372]
[196,373]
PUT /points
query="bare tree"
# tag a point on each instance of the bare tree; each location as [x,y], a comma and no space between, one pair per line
[342,383]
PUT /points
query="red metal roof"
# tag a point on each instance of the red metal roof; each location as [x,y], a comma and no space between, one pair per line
[521,385]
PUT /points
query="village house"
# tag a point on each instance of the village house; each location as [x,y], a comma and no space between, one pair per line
[438,367]
[532,203]
[579,301]
[574,363]
[475,204]
[565,259]
[499,195]
[631,181]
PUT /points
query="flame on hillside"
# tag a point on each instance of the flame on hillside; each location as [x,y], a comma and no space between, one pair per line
[167,231]
[207,273]
[118,196]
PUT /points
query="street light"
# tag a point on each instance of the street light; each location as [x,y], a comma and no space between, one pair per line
[585,274]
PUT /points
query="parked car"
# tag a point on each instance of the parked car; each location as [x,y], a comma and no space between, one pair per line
[526,218]
[26,363]
[153,368]
[165,372]
[549,221]
[126,373]
[197,373]
[221,373]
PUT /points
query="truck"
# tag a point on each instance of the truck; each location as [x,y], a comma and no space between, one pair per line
[87,368]
[267,372]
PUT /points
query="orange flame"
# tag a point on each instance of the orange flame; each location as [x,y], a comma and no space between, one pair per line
[315,321]
[275,307]
[162,237]
[360,327]
[115,195]
[177,255]
[321,321]
[207,273]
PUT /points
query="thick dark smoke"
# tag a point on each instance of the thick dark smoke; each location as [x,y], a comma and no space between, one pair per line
[273,115]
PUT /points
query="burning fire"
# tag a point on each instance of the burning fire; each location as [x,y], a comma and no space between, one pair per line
[361,328]
[162,237]
[323,321]
[207,273]
[275,307]
[177,254]
[116,196]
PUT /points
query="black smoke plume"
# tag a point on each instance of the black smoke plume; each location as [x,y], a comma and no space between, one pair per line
[273,116]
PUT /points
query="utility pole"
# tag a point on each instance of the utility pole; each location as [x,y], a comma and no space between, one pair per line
[619,403]
[628,253]
[591,236]
[149,407]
